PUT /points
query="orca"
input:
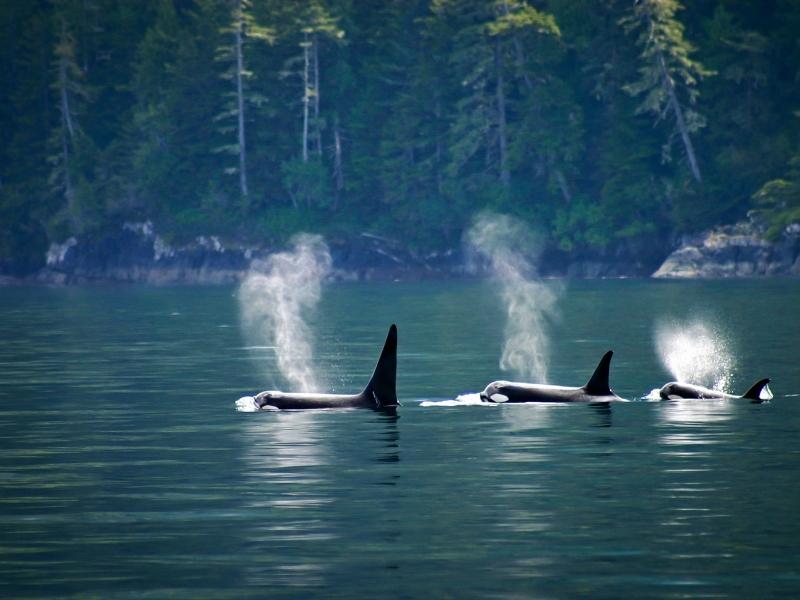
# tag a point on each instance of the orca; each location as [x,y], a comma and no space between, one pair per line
[595,390]
[675,390]
[380,393]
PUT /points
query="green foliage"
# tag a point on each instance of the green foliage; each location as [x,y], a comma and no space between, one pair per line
[23,242]
[398,118]
[239,32]
[519,18]
[667,71]
[307,183]
[778,201]
[580,224]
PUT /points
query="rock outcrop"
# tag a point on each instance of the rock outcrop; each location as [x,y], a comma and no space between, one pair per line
[734,251]
[137,254]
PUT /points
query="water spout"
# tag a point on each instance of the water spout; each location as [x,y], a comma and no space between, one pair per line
[274,300]
[510,253]
[695,352]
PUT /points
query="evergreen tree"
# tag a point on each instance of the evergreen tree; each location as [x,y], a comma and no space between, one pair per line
[25,114]
[67,138]
[411,94]
[667,72]
[421,113]
[153,168]
[624,185]
[306,180]
[749,140]
[548,139]
[241,29]
[27,103]
[477,137]
[196,194]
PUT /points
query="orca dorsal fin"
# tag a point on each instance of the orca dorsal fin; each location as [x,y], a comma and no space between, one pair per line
[754,393]
[598,383]
[383,383]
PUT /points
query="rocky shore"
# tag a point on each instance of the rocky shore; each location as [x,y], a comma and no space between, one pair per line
[734,251]
[137,254]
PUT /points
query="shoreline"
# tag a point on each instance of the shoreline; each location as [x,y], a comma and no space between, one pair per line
[136,254]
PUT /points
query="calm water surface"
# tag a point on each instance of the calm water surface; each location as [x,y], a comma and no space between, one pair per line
[126,472]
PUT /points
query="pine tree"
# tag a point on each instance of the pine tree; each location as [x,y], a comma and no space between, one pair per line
[515,22]
[501,50]
[315,24]
[25,115]
[622,185]
[549,129]
[27,103]
[745,100]
[71,95]
[152,155]
[307,180]
[667,72]
[411,83]
[241,29]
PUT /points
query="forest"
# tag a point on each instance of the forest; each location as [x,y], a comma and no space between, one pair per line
[596,122]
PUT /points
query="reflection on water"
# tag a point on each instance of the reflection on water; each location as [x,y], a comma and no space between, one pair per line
[696,412]
[699,519]
[304,494]
[527,416]
[283,453]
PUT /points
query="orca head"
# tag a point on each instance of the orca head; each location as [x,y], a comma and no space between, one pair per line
[494,392]
[262,399]
[671,391]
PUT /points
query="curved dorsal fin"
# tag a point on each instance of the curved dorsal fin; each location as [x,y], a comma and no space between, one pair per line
[598,383]
[754,393]
[382,386]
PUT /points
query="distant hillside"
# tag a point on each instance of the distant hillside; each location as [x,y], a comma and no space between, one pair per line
[609,126]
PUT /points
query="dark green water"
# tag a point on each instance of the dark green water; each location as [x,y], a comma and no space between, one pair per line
[126,472]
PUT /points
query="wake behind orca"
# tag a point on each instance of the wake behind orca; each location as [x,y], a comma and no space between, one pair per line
[596,389]
[380,393]
[678,391]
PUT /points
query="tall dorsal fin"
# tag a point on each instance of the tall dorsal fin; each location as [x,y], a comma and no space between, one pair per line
[754,393]
[598,383]
[382,386]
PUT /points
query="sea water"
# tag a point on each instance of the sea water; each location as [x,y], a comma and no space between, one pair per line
[126,470]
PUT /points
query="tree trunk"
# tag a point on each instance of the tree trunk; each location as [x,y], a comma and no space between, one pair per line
[505,176]
[84,37]
[66,114]
[520,53]
[317,129]
[68,128]
[681,123]
[562,185]
[306,98]
[240,102]
[68,191]
[338,172]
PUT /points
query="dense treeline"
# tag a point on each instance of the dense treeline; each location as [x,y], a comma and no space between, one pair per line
[597,121]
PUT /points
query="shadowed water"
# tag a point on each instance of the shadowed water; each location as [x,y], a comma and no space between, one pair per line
[126,471]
